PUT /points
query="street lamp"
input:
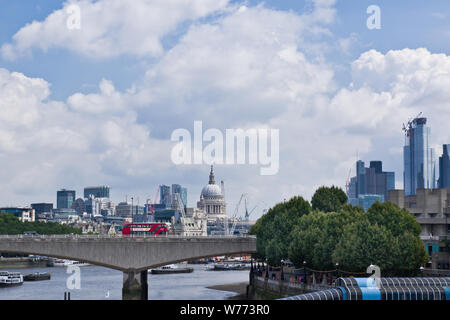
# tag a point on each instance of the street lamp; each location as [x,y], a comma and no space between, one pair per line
[132,206]
[304,272]
[421,271]
[337,270]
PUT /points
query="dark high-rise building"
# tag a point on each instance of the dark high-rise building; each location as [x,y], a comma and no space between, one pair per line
[370,184]
[79,206]
[418,157]
[444,167]
[97,192]
[165,196]
[65,199]
[40,208]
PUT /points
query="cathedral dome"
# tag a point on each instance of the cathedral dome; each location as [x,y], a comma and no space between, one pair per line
[211,190]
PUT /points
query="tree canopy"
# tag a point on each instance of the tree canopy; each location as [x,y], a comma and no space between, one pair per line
[333,232]
[9,224]
[328,199]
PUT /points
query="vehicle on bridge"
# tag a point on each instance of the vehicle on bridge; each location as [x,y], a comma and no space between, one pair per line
[145,229]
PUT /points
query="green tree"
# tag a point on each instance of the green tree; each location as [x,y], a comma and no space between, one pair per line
[315,237]
[9,224]
[386,236]
[363,244]
[328,199]
[393,218]
[276,227]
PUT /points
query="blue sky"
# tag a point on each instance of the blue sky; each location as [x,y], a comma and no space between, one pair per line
[329,99]
[405,24]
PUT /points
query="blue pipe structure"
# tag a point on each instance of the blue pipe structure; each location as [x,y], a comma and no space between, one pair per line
[385,289]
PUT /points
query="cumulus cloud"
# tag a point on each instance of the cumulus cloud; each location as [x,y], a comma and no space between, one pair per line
[110,27]
[246,67]
[47,144]
[250,67]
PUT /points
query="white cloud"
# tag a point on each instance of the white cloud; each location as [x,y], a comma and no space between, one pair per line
[45,144]
[110,27]
[247,68]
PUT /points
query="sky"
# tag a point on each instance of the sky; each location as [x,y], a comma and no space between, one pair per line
[98,105]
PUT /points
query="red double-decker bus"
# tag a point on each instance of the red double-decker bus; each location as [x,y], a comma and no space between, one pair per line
[145,229]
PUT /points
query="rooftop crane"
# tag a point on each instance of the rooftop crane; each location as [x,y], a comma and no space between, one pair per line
[247,213]
[230,232]
[408,125]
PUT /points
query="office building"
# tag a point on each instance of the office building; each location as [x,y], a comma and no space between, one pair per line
[40,208]
[431,208]
[444,168]
[418,157]
[176,188]
[97,192]
[65,199]
[79,206]
[165,196]
[126,210]
[23,213]
[370,184]
[365,201]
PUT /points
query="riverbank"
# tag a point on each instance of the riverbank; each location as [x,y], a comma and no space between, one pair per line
[240,288]
[21,263]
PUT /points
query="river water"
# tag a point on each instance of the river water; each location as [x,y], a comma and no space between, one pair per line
[99,283]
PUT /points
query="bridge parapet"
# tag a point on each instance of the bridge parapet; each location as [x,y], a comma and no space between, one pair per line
[127,253]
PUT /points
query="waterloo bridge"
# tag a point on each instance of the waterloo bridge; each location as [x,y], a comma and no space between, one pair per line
[131,255]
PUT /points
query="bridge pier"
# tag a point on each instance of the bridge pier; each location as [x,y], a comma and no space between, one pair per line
[135,285]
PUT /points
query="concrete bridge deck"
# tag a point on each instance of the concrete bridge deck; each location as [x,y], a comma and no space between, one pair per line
[132,255]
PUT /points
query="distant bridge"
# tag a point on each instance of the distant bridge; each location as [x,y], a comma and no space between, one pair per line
[132,255]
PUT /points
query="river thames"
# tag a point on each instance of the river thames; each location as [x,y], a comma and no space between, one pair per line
[99,283]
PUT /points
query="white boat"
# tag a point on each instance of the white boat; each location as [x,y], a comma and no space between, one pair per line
[65,263]
[171,268]
[8,279]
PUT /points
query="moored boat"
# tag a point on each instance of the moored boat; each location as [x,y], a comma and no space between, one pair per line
[37,276]
[171,269]
[9,279]
[65,263]
[229,267]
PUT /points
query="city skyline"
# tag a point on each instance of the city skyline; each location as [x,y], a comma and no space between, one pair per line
[92,106]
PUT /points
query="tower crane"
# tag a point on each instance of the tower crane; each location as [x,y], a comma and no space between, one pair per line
[230,232]
[347,183]
[408,125]
[247,213]
[152,207]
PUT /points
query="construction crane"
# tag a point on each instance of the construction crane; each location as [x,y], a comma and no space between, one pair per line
[234,217]
[408,125]
[347,183]
[152,207]
[247,213]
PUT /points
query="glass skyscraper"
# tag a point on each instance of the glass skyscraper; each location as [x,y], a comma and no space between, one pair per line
[165,196]
[444,167]
[370,184]
[176,188]
[65,198]
[97,192]
[418,158]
